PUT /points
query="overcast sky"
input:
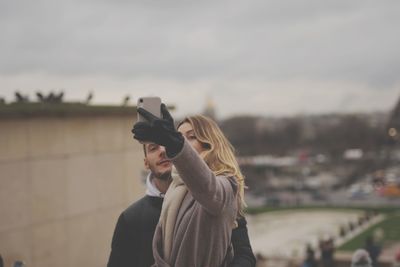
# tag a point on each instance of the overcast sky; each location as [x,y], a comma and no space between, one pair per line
[253,57]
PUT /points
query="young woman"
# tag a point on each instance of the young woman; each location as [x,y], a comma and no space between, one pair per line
[205,196]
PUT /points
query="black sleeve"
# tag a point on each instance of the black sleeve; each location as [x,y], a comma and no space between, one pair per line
[122,253]
[244,256]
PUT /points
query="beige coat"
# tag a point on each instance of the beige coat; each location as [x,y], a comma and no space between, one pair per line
[203,227]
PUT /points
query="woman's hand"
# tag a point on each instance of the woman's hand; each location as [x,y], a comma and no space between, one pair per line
[159,130]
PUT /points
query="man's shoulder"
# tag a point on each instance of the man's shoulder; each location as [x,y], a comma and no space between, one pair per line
[141,207]
[136,206]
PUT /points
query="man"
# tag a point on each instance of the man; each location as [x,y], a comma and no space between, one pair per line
[133,235]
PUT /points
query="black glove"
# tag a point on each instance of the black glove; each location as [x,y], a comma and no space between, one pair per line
[160,131]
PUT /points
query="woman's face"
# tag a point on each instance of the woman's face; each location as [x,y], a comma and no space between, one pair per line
[187,131]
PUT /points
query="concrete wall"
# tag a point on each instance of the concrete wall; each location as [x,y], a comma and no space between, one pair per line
[63,183]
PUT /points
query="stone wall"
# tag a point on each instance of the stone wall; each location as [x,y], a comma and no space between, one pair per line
[63,182]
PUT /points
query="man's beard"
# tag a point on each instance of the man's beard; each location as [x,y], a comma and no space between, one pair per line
[165,176]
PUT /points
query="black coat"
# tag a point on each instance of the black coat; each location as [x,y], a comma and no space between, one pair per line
[133,236]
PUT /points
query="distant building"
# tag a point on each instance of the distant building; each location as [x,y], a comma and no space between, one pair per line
[393,127]
[209,111]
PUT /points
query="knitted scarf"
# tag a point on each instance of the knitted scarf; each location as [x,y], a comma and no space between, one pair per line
[169,212]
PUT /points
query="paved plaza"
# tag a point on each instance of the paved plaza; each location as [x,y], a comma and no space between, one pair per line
[286,233]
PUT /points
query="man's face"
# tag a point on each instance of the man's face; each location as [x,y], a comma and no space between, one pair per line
[156,161]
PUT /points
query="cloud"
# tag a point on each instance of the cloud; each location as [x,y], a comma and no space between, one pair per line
[205,45]
[223,39]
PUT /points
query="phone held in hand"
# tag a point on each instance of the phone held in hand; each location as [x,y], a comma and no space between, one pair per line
[151,104]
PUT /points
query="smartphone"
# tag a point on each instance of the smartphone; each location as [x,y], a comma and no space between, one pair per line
[151,104]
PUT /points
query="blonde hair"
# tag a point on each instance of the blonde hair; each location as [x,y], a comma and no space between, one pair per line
[219,152]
